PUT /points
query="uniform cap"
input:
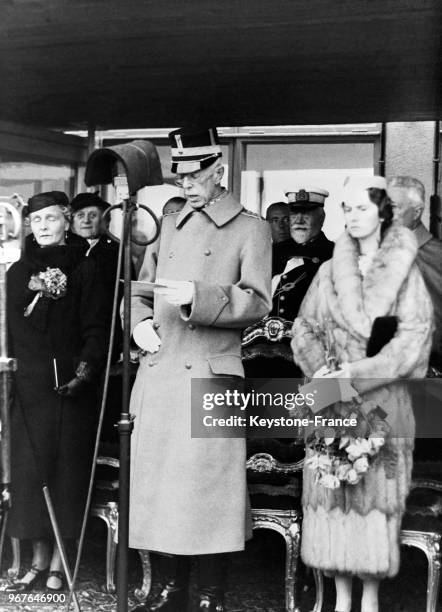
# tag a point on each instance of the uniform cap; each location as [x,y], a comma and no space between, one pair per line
[307,197]
[193,149]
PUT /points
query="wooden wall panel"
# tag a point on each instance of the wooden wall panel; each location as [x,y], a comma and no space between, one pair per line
[146,63]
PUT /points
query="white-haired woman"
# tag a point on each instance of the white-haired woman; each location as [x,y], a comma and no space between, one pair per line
[56,329]
[353,530]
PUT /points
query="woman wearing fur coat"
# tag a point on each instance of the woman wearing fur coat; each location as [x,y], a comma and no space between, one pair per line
[353,530]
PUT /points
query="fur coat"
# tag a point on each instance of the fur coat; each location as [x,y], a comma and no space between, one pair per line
[355,528]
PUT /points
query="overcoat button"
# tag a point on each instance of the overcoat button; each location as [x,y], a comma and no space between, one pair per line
[282,298]
[156,325]
[207,252]
[152,363]
[281,310]
[223,299]
[171,255]
[284,276]
[191,326]
[188,366]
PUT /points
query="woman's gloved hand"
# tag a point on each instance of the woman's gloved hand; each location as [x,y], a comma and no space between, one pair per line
[343,375]
[73,388]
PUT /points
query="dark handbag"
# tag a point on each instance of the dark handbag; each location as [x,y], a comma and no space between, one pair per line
[383,330]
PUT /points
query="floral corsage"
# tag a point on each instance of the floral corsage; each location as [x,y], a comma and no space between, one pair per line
[51,283]
[344,455]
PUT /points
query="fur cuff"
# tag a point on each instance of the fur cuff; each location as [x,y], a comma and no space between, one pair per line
[308,349]
[83,371]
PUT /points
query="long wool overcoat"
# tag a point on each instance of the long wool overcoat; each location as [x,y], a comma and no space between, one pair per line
[53,436]
[188,495]
[355,529]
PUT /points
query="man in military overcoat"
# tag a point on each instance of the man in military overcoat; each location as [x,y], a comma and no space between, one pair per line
[188,495]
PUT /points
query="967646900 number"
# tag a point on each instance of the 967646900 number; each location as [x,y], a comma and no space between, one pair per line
[32,598]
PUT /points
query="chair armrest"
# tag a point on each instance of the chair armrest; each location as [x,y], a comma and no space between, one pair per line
[109,461]
[426,483]
[263,462]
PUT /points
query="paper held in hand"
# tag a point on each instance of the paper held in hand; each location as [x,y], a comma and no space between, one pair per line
[145,288]
[327,391]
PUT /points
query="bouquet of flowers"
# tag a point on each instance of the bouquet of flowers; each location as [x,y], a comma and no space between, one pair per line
[52,283]
[345,454]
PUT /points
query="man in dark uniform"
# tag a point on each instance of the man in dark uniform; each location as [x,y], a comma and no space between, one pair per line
[266,345]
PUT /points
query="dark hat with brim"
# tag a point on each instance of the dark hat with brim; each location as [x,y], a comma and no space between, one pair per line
[44,200]
[194,149]
[83,200]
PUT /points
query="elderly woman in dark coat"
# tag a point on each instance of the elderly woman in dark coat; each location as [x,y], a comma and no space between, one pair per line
[56,331]
[351,528]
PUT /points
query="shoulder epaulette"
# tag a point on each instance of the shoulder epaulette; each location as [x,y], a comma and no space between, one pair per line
[176,212]
[249,213]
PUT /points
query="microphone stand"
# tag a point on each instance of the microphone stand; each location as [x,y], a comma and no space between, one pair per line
[126,423]
[130,166]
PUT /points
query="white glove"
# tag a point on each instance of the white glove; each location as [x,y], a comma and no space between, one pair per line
[146,337]
[178,293]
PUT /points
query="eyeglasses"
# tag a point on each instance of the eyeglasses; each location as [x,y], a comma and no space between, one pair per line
[192,177]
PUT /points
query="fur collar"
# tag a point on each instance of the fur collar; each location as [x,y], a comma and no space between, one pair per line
[359,300]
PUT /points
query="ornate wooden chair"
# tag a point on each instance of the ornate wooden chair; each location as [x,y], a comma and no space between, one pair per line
[105,507]
[275,485]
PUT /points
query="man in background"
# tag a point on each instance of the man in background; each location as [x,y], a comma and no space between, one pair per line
[173,205]
[407,196]
[266,345]
[278,217]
